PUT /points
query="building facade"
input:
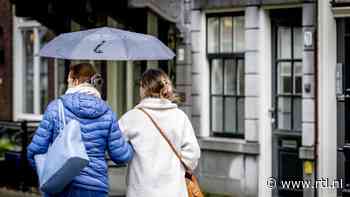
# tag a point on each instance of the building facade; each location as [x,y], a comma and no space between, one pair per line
[269,95]
[28,82]
[265,81]
[6,37]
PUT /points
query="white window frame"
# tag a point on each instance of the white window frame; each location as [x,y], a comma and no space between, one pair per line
[18,105]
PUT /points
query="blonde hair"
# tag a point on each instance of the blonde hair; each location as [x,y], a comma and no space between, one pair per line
[156,83]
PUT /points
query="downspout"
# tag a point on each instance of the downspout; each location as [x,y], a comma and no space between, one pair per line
[316,97]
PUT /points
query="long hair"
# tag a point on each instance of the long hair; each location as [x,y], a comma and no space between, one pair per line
[157,84]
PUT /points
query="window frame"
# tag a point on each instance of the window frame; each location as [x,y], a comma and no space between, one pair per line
[221,15]
[224,56]
[21,24]
[293,60]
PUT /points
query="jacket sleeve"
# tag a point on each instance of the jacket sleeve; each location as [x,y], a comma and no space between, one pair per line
[43,135]
[119,150]
[190,150]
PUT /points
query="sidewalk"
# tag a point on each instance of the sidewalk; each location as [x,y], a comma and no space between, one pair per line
[13,193]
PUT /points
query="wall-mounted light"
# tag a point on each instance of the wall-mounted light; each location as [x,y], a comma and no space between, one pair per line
[308,38]
[180,56]
[339,79]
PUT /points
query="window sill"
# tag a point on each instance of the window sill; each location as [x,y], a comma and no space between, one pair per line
[28,117]
[229,145]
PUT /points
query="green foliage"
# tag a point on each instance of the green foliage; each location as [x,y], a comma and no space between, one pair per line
[5,145]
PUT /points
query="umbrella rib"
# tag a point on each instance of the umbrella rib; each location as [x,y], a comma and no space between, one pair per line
[125,47]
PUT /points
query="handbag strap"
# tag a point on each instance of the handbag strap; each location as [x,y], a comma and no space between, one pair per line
[161,131]
[61,116]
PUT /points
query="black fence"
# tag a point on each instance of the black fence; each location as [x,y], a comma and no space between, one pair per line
[340,3]
[14,167]
[15,171]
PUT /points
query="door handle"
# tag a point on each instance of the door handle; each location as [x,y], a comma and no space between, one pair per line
[272,113]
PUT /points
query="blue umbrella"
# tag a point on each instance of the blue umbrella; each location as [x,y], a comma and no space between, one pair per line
[106,43]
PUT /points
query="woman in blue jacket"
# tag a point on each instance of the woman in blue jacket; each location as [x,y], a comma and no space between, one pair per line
[99,127]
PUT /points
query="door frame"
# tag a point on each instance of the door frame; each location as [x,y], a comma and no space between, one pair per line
[281,139]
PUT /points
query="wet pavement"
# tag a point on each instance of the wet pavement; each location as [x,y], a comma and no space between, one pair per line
[13,193]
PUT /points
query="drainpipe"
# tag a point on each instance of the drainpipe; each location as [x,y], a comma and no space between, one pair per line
[316,98]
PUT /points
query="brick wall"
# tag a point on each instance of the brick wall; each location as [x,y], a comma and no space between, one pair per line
[6,68]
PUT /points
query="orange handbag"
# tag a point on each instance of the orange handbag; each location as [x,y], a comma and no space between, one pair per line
[193,187]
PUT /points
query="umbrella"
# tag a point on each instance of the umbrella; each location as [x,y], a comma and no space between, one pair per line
[106,43]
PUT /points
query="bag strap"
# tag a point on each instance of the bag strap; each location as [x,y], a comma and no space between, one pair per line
[161,131]
[61,116]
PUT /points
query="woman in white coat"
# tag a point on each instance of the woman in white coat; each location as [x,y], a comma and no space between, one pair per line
[155,171]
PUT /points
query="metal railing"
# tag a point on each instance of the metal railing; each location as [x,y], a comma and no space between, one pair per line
[340,3]
[15,170]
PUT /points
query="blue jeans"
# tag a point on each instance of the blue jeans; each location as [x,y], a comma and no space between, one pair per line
[72,191]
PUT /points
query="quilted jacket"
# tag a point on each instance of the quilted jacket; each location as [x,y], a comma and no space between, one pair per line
[100,133]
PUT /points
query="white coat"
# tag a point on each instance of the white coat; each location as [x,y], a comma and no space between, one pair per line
[155,171]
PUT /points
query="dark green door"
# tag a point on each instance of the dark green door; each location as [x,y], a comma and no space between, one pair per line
[287,47]
[343,104]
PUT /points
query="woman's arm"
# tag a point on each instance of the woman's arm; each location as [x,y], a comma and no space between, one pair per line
[43,134]
[190,150]
[118,149]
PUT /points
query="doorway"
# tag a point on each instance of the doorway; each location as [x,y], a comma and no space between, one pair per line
[343,103]
[287,46]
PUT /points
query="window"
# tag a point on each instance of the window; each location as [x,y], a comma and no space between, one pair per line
[28,82]
[35,70]
[225,46]
[225,34]
[289,71]
[31,71]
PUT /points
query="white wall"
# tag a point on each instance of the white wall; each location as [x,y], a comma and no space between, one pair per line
[265,137]
[200,64]
[327,100]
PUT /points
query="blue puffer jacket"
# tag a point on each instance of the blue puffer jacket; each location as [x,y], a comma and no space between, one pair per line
[100,133]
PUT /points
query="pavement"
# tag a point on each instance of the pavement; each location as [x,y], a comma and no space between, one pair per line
[13,193]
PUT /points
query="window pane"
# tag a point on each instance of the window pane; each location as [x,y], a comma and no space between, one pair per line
[44,94]
[297,114]
[284,113]
[230,77]
[216,77]
[28,41]
[298,72]
[213,35]
[226,34]
[230,114]
[284,42]
[138,69]
[216,114]
[61,78]
[240,115]
[45,37]
[238,34]
[285,78]
[298,43]
[240,77]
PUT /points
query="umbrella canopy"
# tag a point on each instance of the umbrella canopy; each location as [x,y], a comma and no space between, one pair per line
[106,43]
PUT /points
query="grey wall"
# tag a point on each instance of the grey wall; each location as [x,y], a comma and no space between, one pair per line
[212,4]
